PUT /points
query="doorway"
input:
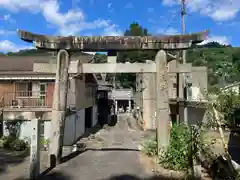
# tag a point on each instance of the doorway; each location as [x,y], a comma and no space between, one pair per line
[88,117]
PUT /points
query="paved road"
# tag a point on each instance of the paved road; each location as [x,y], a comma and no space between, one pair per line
[114,151]
[110,153]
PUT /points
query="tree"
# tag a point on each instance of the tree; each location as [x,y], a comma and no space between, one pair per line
[128,80]
[100,58]
[223,62]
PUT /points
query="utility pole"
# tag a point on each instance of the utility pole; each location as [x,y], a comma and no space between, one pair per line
[183,13]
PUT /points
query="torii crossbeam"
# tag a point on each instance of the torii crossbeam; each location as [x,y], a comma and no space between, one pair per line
[113,43]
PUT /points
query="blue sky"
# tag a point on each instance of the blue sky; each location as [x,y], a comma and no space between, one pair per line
[112,17]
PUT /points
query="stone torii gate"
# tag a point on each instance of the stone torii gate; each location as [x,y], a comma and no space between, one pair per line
[111,44]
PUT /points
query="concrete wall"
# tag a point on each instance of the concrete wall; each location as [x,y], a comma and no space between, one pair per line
[195,114]
[71,97]
[197,78]
[74,127]
[146,90]
[25,129]
[85,96]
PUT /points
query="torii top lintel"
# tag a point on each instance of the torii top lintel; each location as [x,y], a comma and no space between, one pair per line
[113,43]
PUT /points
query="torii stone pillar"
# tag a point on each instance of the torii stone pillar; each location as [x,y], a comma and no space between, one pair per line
[162,104]
[59,107]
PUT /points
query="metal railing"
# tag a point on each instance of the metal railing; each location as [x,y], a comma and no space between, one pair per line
[27,99]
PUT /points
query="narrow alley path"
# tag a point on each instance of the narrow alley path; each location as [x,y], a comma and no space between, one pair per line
[113,151]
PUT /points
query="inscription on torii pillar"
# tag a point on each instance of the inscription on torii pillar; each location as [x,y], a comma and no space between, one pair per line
[113,43]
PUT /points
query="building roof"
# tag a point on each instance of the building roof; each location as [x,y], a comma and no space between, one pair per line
[24,64]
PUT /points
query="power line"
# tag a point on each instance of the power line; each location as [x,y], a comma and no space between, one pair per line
[171,21]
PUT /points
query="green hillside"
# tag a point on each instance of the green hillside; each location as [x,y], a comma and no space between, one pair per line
[223,63]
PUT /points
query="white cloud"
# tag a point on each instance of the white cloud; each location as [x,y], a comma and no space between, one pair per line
[71,22]
[8,46]
[219,10]
[168,31]
[112,30]
[50,11]
[16,5]
[220,39]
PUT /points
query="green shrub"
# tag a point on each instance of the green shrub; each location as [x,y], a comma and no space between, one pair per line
[176,157]
[11,142]
[184,146]
[149,147]
[7,140]
[18,145]
[227,103]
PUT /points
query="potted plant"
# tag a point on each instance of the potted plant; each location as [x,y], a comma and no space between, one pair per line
[45,143]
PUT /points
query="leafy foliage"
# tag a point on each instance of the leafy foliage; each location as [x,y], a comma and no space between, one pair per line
[45,142]
[13,127]
[176,156]
[185,145]
[19,145]
[149,147]
[100,58]
[228,103]
[222,62]
[127,80]
[13,143]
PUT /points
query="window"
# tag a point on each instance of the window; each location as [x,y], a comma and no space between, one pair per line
[23,88]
